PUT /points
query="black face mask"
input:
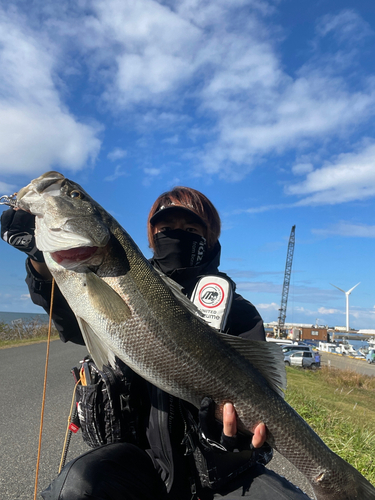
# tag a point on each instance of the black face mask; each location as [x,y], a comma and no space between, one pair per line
[177,249]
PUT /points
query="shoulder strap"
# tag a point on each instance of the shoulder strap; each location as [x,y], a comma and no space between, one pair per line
[213,297]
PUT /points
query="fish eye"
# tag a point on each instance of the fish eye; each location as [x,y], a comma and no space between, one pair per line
[76,194]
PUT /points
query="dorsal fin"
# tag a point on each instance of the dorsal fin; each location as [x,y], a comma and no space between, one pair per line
[267,358]
[177,292]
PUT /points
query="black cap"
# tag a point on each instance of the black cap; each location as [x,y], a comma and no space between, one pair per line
[167,210]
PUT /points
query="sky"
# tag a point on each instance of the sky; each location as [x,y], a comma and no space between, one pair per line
[267,107]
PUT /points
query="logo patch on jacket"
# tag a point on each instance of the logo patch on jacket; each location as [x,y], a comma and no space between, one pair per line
[212,295]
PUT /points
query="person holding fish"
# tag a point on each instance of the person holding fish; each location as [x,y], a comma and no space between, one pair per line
[176,450]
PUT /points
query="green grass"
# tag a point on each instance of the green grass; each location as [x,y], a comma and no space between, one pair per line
[340,406]
[22,333]
[4,344]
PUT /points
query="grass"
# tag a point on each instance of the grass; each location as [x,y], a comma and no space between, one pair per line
[340,406]
[21,333]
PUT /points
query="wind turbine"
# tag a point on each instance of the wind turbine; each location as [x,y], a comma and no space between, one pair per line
[347,302]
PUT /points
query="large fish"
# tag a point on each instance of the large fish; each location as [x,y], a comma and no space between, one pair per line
[126,308]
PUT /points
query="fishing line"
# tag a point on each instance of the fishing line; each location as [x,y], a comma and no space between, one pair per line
[44,389]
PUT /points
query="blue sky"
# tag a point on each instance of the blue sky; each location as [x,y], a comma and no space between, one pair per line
[266,107]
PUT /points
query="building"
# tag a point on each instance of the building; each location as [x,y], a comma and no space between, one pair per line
[313,332]
[302,331]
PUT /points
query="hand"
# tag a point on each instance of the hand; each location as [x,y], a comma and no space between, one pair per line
[17,229]
[226,434]
[230,426]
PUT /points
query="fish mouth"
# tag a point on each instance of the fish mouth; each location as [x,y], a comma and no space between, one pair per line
[78,254]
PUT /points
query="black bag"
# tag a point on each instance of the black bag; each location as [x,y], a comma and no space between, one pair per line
[105,408]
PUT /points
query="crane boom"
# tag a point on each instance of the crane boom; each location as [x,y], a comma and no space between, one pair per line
[288,271]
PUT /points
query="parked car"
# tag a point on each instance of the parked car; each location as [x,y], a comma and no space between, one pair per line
[288,349]
[305,359]
[370,357]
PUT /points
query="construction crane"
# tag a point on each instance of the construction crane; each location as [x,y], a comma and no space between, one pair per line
[285,292]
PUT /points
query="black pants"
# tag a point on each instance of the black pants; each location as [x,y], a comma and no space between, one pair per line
[124,472]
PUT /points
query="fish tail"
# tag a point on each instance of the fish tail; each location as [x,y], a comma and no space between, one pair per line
[363,489]
[353,487]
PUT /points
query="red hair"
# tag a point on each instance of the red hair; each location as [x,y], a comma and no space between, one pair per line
[196,202]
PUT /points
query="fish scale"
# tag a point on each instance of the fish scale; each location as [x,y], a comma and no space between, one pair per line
[125,308]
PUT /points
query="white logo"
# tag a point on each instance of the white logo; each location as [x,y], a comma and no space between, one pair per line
[211,295]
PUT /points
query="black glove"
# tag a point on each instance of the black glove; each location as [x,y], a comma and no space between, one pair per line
[17,229]
[213,429]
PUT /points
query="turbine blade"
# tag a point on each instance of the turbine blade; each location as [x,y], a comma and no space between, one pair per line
[338,288]
[350,291]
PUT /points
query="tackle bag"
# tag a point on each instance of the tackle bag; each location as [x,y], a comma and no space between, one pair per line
[105,411]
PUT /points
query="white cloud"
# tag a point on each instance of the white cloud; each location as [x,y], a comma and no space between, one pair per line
[35,138]
[117,154]
[347,25]
[349,177]
[117,173]
[262,110]
[268,307]
[306,110]
[366,316]
[348,229]
[324,310]
[172,140]
[177,61]
[259,287]
[152,46]
[151,175]
[264,208]
[302,168]
[37,131]
[7,189]
[153,172]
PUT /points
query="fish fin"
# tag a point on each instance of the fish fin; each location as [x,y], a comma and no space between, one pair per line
[106,301]
[97,349]
[267,358]
[177,292]
[108,305]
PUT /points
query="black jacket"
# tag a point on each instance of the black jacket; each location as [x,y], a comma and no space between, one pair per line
[171,426]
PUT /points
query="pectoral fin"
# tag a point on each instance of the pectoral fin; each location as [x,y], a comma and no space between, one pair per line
[108,308]
[105,301]
[97,349]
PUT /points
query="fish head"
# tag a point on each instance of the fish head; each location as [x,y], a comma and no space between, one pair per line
[68,223]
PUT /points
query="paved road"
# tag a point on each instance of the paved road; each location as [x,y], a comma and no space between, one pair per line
[345,362]
[21,374]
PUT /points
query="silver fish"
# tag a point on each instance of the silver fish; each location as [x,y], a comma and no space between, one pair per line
[126,308]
